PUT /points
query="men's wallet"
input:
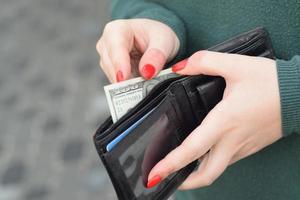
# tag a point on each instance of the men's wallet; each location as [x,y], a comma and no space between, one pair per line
[132,146]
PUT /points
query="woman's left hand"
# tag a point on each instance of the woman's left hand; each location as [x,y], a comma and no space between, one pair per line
[245,121]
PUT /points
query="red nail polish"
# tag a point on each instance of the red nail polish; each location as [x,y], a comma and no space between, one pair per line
[179,66]
[119,76]
[154,181]
[148,71]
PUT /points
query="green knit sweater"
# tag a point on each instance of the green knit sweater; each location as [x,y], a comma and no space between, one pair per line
[274,172]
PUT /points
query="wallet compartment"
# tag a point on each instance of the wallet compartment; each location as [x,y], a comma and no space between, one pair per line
[132,158]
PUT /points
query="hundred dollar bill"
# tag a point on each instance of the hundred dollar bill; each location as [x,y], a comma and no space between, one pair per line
[123,96]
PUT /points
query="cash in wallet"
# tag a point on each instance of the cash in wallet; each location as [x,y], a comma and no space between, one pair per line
[132,146]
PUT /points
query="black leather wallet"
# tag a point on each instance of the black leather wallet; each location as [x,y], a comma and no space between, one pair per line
[162,120]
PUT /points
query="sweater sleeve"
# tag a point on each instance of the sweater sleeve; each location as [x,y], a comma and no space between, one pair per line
[143,9]
[289,86]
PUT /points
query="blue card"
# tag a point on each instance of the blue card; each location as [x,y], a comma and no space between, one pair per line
[118,139]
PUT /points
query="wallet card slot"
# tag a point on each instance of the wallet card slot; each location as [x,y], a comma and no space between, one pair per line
[120,137]
[104,139]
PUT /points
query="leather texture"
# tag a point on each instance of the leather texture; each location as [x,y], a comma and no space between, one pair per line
[176,107]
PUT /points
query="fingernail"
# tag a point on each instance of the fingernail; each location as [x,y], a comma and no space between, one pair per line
[179,66]
[154,181]
[119,76]
[148,71]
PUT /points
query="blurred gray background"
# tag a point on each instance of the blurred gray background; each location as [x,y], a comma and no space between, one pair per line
[51,100]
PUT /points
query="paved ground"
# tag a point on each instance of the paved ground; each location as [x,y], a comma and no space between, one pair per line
[51,100]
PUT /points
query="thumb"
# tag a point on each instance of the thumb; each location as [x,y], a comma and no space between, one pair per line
[159,51]
[215,64]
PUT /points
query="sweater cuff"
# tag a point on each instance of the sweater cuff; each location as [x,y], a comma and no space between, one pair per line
[289,86]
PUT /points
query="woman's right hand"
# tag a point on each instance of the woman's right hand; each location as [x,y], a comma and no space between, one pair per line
[131,47]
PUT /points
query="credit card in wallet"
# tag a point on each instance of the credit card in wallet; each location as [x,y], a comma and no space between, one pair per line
[118,139]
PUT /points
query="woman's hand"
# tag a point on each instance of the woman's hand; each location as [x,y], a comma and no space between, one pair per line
[129,46]
[245,121]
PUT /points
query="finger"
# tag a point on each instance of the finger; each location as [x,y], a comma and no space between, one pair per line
[159,51]
[107,66]
[218,160]
[118,45]
[214,63]
[151,63]
[105,62]
[194,146]
[99,46]
[120,60]
[202,165]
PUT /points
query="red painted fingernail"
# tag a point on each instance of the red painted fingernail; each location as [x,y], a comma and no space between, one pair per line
[148,71]
[154,181]
[179,66]
[119,76]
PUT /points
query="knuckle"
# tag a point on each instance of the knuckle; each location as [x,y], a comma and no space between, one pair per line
[198,56]
[113,25]
[99,46]
[109,26]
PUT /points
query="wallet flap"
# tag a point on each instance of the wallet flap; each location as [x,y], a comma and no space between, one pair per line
[253,43]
